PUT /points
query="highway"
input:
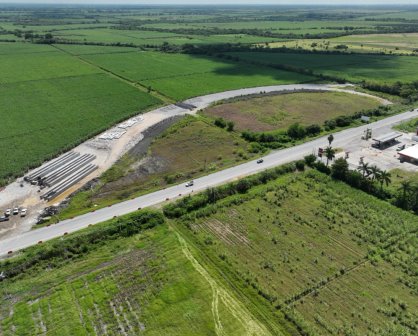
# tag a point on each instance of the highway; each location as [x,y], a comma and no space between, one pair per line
[342,139]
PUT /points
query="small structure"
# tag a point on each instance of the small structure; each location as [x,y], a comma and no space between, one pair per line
[409,154]
[386,140]
[365,119]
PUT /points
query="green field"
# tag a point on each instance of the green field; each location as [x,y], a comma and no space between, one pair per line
[51,101]
[181,76]
[380,69]
[247,264]
[274,112]
[145,284]
[337,260]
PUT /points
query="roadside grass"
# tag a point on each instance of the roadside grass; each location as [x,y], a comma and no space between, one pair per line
[181,76]
[342,263]
[273,112]
[408,126]
[190,148]
[355,67]
[142,284]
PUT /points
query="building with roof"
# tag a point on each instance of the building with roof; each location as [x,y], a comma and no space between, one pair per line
[386,140]
[409,154]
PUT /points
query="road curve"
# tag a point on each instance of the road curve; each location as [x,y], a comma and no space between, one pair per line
[342,139]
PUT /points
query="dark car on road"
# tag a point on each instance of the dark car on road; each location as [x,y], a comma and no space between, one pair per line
[4,219]
[260,161]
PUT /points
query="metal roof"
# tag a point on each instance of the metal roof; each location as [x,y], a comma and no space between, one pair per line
[388,137]
[411,152]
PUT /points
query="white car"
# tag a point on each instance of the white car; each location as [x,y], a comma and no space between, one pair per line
[23,212]
[189,184]
[15,210]
[8,212]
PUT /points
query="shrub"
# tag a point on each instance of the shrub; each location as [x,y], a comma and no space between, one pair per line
[300,165]
[296,131]
[310,160]
[313,129]
[220,122]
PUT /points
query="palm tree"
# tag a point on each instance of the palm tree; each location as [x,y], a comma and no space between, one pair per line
[364,168]
[384,178]
[330,139]
[329,154]
[405,187]
[375,172]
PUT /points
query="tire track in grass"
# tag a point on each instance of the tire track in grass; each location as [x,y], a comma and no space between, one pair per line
[246,319]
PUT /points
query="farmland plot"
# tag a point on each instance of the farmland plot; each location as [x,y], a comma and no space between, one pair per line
[50,101]
[381,69]
[144,284]
[182,76]
[341,260]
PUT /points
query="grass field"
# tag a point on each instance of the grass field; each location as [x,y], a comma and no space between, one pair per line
[280,111]
[144,37]
[341,264]
[181,76]
[380,69]
[51,101]
[145,284]
[404,44]
[191,147]
[408,126]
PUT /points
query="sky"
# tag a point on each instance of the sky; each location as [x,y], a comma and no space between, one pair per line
[214,2]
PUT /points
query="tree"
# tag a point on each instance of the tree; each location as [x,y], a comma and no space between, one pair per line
[330,139]
[230,126]
[329,154]
[339,169]
[405,189]
[364,168]
[375,172]
[384,178]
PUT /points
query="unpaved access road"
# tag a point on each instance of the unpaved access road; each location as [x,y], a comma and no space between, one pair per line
[346,138]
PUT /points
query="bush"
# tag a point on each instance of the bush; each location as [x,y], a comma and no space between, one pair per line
[313,129]
[310,160]
[300,165]
[296,131]
[320,166]
[339,169]
[220,122]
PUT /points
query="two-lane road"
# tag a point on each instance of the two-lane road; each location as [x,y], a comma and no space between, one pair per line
[342,139]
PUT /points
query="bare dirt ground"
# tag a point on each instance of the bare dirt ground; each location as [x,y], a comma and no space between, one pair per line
[385,159]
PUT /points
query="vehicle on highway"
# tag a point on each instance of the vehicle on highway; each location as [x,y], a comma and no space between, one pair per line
[4,219]
[8,212]
[23,212]
[190,184]
[15,210]
[260,161]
